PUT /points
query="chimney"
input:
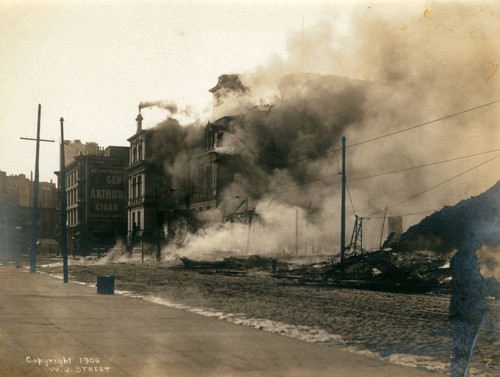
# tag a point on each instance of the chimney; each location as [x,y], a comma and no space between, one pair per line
[139,121]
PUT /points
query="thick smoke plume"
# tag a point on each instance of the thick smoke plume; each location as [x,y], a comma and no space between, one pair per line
[393,69]
[170,106]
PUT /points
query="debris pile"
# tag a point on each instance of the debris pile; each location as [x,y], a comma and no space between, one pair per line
[417,262]
[443,231]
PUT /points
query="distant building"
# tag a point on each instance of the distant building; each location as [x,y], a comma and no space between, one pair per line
[96,195]
[76,148]
[16,209]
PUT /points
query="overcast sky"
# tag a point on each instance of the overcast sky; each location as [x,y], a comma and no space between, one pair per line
[94,62]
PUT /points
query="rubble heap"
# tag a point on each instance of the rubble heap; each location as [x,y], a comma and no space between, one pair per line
[442,231]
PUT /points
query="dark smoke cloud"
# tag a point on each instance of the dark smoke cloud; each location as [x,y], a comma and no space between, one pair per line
[414,67]
[395,68]
[313,114]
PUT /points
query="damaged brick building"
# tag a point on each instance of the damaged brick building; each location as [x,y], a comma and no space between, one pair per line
[156,209]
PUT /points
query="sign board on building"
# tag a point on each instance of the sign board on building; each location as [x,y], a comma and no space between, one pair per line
[106,191]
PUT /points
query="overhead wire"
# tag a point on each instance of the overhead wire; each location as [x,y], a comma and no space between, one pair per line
[423,124]
[321,178]
[408,214]
[435,186]
[424,165]
[329,150]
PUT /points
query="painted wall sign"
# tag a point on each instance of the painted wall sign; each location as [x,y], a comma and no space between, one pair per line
[107,194]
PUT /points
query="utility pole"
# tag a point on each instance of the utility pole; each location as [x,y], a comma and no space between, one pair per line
[250,218]
[158,225]
[188,198]
[3,228]
[382,232]
[35,193]
[342,218]
[64,232]
[296,231]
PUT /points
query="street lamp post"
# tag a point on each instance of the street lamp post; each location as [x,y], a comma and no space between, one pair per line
[18,257]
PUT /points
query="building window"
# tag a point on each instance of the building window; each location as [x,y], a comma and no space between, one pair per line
[139,185]
[133,221]
[140,151]
[133,188]
[209,141]
[139,220]
[134,154]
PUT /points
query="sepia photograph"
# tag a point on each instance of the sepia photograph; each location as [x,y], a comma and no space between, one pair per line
[249,188]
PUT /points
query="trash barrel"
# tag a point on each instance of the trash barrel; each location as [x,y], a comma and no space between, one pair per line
[105,285]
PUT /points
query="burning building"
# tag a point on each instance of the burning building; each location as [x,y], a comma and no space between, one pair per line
[145,187]
[228,96]
[221,172]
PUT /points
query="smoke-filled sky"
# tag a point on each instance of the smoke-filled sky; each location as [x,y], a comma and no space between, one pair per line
[404,64]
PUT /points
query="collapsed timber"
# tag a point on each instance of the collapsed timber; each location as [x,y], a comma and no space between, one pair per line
[379,270]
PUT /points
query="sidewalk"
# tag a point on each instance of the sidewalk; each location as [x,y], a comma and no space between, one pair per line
[48,328]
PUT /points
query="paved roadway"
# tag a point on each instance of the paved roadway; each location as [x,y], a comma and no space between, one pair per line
[45,323]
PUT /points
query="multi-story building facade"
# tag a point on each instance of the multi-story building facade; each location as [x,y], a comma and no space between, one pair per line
[145,187]
[96,197]
[209,170]
[153,203]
